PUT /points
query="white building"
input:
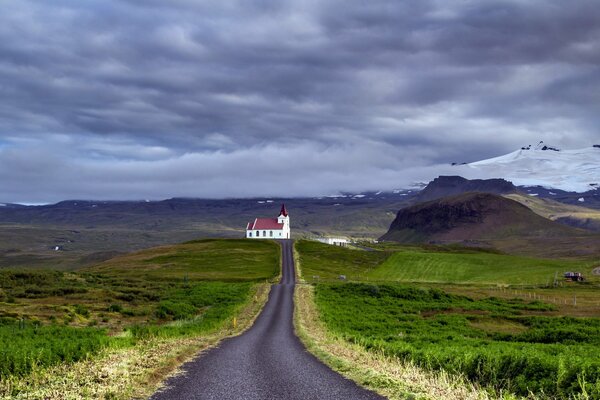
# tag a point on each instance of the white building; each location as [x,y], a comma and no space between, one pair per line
[270,228]
[334,241]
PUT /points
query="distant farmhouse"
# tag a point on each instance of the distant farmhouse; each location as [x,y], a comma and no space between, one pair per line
[270,228]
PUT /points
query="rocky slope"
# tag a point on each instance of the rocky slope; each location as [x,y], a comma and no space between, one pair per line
[471,217]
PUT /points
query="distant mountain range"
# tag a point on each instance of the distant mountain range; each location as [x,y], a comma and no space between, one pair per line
[80,232]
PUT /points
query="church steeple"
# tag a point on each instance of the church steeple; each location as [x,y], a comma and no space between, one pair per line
[283,211]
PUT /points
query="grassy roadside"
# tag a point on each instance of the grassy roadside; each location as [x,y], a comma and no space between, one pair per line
[118,329]
[512,342]
[128,373]
[388,376]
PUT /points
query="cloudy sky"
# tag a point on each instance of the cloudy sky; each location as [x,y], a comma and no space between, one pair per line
[136,99]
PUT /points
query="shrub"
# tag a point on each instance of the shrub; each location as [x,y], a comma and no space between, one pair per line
[115,308]
[81,310]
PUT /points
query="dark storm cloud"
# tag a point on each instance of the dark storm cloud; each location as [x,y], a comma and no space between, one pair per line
[130,99]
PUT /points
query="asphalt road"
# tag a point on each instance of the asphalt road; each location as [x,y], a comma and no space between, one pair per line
[267,361]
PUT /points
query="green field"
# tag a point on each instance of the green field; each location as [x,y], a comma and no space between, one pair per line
[329,262]
[432,264]
[480,268]
[49,317]
[508,345]
[471,312]
[208,259]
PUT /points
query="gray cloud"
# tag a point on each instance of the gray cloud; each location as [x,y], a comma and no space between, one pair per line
[132,99]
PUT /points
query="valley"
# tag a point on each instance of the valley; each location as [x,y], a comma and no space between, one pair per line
[465,290]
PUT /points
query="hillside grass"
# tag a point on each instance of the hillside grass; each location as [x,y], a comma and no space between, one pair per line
[495,343]
[553,209]
[479,268]
[208,259]
[325,262]
[494,319]
[432,264]
[53,317]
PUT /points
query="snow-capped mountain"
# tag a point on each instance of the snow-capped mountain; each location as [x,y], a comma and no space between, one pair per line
[542,165]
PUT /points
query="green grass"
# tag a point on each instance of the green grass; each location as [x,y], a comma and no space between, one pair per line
[329,262]
[50,317]
[508,345]
[431,264]
[209,259]
[480,268]
[26,346]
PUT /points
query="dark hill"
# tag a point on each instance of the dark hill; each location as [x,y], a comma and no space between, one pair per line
[444,186]
[471,217]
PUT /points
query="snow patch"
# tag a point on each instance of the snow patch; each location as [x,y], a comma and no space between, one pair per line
[581,200]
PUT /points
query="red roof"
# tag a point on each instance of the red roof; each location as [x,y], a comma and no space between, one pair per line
[264,223]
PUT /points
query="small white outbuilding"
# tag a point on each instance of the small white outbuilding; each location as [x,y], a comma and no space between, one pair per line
[334,241]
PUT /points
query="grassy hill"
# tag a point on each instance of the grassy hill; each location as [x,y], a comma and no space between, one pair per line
[183,290]
[207,259]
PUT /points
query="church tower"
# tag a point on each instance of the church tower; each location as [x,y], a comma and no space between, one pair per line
[284,219]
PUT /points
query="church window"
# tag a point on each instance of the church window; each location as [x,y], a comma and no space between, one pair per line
[271,233]
[249,234]
[264,233]
[257,233]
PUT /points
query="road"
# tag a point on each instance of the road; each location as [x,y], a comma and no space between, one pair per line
[268,361]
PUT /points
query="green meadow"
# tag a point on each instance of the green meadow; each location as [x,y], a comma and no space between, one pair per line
[506,345]
[478,268]
[459,310]
[432,264]
[50,317]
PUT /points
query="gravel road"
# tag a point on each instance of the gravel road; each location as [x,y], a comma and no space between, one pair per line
[267,361]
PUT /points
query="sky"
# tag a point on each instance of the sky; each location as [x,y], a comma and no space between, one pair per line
[152,99]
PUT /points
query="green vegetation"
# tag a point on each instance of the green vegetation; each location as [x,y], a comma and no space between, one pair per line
[431,264]
[505,344]
[209,259]
[329,262]
[476,313]
[481,268]
[50,317]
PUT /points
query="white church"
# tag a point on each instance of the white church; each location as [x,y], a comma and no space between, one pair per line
[270,228]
